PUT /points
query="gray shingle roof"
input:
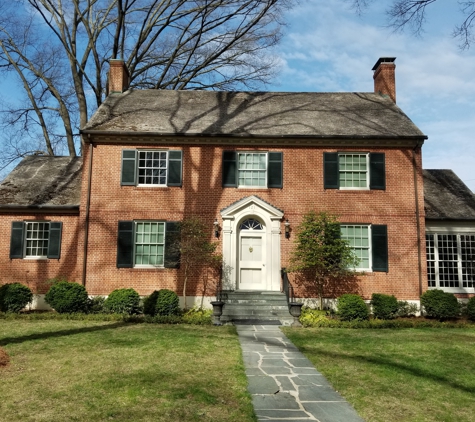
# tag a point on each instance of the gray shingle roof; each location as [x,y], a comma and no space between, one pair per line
[446,197]
[43,181]
[260,114]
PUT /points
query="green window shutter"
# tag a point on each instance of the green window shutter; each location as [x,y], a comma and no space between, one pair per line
[125,244]
[175,168]
[379,247]
[129,168]
[331,179]
[229,169]
[54,244]
[16,240]
[377,171]
[172,244]
[275,170]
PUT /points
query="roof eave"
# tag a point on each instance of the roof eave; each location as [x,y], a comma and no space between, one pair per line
[42,209]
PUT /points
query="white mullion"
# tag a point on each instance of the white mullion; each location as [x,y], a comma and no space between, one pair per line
[459,260]
[436,260]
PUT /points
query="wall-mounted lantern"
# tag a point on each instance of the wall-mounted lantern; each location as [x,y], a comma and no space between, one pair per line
[287,229]
[216,228]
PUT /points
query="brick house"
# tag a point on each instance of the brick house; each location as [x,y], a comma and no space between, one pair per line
[249,164]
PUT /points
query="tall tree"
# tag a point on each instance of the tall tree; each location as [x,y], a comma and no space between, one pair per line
[413,14]
[58,52]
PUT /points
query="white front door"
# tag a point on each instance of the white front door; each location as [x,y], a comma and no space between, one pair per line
[251,263]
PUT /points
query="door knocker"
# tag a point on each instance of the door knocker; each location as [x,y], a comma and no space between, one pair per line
[250,249]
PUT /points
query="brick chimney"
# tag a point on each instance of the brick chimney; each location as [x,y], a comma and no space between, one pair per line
[385,77]
[118,76]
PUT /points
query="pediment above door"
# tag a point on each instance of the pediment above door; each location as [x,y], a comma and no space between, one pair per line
[252,205]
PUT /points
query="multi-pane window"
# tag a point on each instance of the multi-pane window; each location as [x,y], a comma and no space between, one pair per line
[353,171]
[252,169]
[152,168]
[149,243]
[359,238]
[36,239]
[450,260]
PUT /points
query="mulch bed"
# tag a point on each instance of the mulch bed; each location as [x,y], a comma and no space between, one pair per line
[4,358]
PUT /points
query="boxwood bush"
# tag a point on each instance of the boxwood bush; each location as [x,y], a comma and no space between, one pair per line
[352,307]
[168,303]
[384,306]
[67,297]
[14,297]
[123,301]
[471,309]
[439,304]
[150,304]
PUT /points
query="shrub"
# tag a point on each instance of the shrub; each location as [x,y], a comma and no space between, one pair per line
[471,309]
[168,303]
[95,305]
[150,304]
[313,317]
[123,301]
[352,307]
[406,309]
[4,358]
[65,297]
[14,297]
[198,316]
[439,304]
[384,306]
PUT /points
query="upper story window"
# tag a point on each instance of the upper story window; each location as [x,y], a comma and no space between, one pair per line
[151,168]
[358,171]
[35,239]
[252,169]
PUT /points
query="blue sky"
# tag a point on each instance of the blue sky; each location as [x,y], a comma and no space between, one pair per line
[328,48]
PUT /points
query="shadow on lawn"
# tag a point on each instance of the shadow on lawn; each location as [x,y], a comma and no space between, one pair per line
[395,365]
[61,333]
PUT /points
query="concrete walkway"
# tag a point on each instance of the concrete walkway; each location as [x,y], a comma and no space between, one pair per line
[283,383]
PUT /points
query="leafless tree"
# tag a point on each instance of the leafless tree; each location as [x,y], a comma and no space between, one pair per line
[413,14]
[58,52]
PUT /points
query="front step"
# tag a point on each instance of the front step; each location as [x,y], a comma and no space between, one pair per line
[255,307]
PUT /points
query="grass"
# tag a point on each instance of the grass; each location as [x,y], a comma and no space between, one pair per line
[397,375]
[71,370]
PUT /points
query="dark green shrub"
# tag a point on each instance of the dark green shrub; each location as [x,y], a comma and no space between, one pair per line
[384,306]
[123,301]
[352,307]
[439,304]
[406,309]
[65,297]
[150,304]
[168,303]
[471,309]
[95,305]
[14,297]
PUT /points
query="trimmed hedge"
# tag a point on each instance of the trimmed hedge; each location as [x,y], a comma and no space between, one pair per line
[14,297]
[352,308]
[167,304]
[66,298]
[471,309]
[150,303]
[384,306]
[439,304]
[123,301]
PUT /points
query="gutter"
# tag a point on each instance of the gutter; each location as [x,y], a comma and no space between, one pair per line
[88,207]
[418,224]
[44,209]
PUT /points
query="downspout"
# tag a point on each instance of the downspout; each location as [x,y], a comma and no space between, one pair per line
[418,224]
[88,203]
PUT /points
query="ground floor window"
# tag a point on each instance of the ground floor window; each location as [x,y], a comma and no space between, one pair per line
[450,260]
[359,238]
[149,243]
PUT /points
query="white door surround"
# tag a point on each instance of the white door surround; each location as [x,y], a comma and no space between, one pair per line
[254,264]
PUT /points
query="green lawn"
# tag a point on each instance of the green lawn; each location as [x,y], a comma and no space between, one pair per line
[98,371]
[397,375]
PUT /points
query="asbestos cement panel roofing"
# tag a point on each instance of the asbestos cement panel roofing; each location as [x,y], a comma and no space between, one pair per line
[248,114]
[43,181]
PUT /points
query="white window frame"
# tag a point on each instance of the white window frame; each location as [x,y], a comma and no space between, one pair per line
[366,172]
[138,167]
[355,248]
[264,172]
[136,244]
[433,252]
[27,237]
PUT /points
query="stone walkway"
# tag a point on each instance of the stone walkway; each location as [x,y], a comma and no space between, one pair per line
[283,383]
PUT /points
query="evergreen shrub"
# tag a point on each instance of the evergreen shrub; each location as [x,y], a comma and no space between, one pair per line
[14,297]
[406,309]
[471,309]
[123,301]
[439,304]
[150,303]
[95,305]
[168,303]
[351,307]
[67,297]
[384,306]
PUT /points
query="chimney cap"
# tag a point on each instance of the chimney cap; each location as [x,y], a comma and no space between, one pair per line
[383,60]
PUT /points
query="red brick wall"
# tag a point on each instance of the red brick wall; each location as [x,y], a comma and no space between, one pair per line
[203,194]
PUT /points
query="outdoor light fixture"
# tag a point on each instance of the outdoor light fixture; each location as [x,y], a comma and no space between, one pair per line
[287,229]
[216,228]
